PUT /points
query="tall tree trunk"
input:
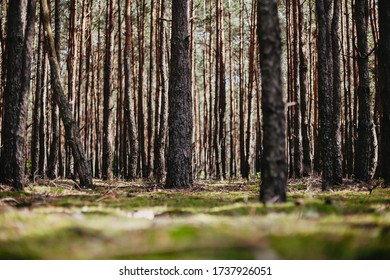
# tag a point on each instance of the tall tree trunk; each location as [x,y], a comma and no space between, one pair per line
[337,160]
[180,104]
[20,40]
[363,148]
[149,91]
[107,97]
[141,61]
[71,130]
[55,142]
[159,164]
[37,105]
[324,96]
[384,82]
[305,121]
[298,151]
[129,105]
[274,169]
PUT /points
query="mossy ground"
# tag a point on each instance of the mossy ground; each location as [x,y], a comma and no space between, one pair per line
[212,220]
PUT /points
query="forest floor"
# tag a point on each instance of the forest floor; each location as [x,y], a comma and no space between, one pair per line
[212,220]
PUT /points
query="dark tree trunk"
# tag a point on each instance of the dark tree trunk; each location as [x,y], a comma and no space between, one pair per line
[298,151]
[384,84]
[363,145]
[55,142]
[274,169]
[129,105]
[107,95]
[337,160]
[72,133]
[179,101]
[20,41]
[324,97]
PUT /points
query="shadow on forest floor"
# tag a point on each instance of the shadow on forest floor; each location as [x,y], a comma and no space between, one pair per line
[212,220]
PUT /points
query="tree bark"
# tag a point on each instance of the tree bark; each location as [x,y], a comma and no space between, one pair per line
[363,146]
[20,41]
[324,97]
[129,105]
[179,100]
[274,169]
[384,82]
[337,160]
[107,95]
[71,130]
[159,164]
[55,142]
[303,69]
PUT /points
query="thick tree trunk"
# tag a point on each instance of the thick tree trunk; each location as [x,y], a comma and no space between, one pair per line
[20,41]
[71,130]
[274,169]
[363,146]
[384,82]
[324,97]
[179,100]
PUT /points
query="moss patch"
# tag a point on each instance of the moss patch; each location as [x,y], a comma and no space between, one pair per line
[213,220]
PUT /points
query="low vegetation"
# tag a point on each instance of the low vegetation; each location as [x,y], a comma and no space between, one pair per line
[212,220]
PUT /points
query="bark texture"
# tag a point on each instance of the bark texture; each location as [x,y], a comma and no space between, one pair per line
[324,96]
[72,133]
[384,84]
[337,160]
[20,40]
[107,95]
[274,169]
[363,145]
[159,165]
[129,104]
[179,101]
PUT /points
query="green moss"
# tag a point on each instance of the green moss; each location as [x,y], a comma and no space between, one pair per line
[214,220]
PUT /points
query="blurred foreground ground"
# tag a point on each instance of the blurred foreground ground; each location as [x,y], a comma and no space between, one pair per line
[212,220]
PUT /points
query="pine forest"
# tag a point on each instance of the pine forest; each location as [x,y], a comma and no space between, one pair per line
[235,129]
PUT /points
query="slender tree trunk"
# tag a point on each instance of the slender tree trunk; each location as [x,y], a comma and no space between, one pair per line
[149,92]
[55,142]
[129,105]
[274,169]
[162,133]
[71,129]
[107,97]
[180,104]
[37,105]
[305,122]
[298,151]
[337,160]
[141,61]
